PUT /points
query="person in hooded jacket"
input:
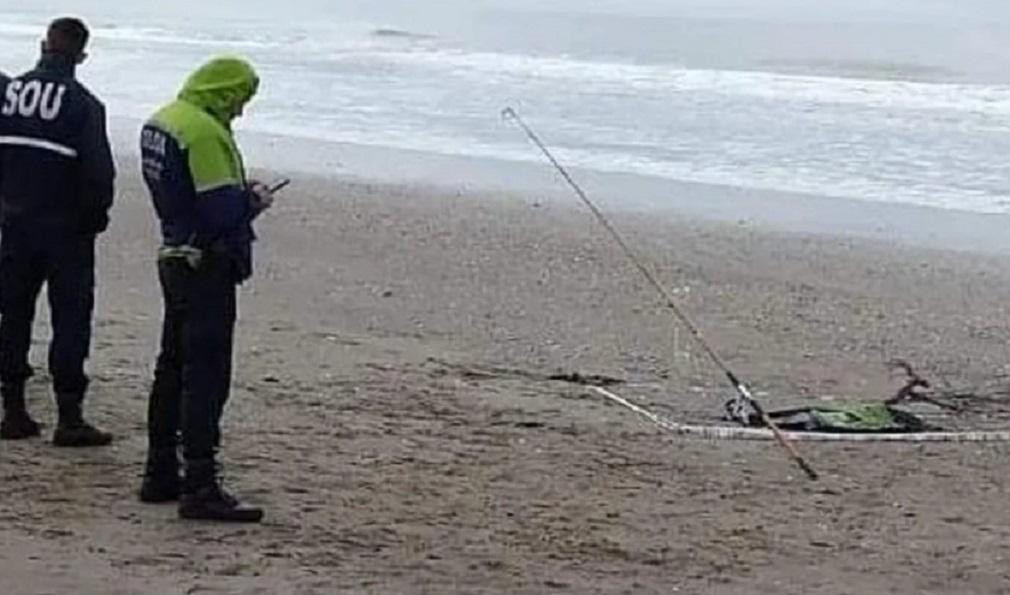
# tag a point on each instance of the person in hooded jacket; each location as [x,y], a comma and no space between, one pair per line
[56,189]
[206,207]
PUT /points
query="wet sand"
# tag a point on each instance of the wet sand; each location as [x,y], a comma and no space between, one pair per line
[389,411]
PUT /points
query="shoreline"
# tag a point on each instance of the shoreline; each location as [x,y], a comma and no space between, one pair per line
[904,224]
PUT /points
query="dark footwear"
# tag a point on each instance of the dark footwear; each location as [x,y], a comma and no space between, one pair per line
[16,424]
[212,503]
[82,435]
[19,426]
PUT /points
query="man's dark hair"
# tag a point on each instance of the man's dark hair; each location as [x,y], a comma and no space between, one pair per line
[68,36]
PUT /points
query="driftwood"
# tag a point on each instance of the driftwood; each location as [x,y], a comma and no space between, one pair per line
[919,390]
[916,389]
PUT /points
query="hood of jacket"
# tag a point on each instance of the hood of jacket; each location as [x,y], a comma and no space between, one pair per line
[222,88]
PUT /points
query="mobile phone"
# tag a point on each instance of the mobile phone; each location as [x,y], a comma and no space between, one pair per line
[279,185]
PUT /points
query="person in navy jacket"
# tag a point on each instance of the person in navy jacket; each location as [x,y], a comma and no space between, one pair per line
[56,189]
[4,79]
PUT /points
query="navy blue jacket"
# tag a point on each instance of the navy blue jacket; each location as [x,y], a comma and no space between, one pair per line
[3,89]
[56,169]
[218,220]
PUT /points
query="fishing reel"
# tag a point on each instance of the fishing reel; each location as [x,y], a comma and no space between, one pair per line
[738,410]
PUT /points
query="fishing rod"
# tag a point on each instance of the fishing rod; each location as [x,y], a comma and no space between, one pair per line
[744,393]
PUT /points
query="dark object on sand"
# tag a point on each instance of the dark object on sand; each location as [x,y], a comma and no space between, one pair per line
[586,379]
[860,418]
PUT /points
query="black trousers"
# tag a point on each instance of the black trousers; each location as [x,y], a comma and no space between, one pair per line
[65,263]
[193,374]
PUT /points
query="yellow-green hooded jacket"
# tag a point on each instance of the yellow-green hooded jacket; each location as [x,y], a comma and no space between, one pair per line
[194,169]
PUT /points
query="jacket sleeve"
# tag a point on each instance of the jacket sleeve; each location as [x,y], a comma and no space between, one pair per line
[98,171]
[223,207]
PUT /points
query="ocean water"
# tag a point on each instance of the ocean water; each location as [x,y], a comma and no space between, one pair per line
[905,103]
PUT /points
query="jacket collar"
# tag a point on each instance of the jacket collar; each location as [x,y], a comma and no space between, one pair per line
[57,64]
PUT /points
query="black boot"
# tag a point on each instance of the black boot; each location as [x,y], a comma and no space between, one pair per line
[16,424]
[161,477]
[19,426]
[204,499]
[71,430]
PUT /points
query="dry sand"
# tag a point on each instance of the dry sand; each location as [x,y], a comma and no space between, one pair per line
[388,414]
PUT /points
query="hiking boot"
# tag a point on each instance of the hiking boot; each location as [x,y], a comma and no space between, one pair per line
[19,426]
[16,424]
[161,478]
[80,435]
[213,503]
[71,429]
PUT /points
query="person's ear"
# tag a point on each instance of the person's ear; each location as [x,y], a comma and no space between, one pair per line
[82,57]
[43,46]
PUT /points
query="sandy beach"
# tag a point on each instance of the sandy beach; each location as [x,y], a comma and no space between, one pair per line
[390,410]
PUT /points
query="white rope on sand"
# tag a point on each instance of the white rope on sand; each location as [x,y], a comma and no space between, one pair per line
[735,433]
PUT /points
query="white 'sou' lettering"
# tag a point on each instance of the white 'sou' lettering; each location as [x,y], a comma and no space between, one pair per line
[31,94]
[11,98]
[52,102]
[34,98]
